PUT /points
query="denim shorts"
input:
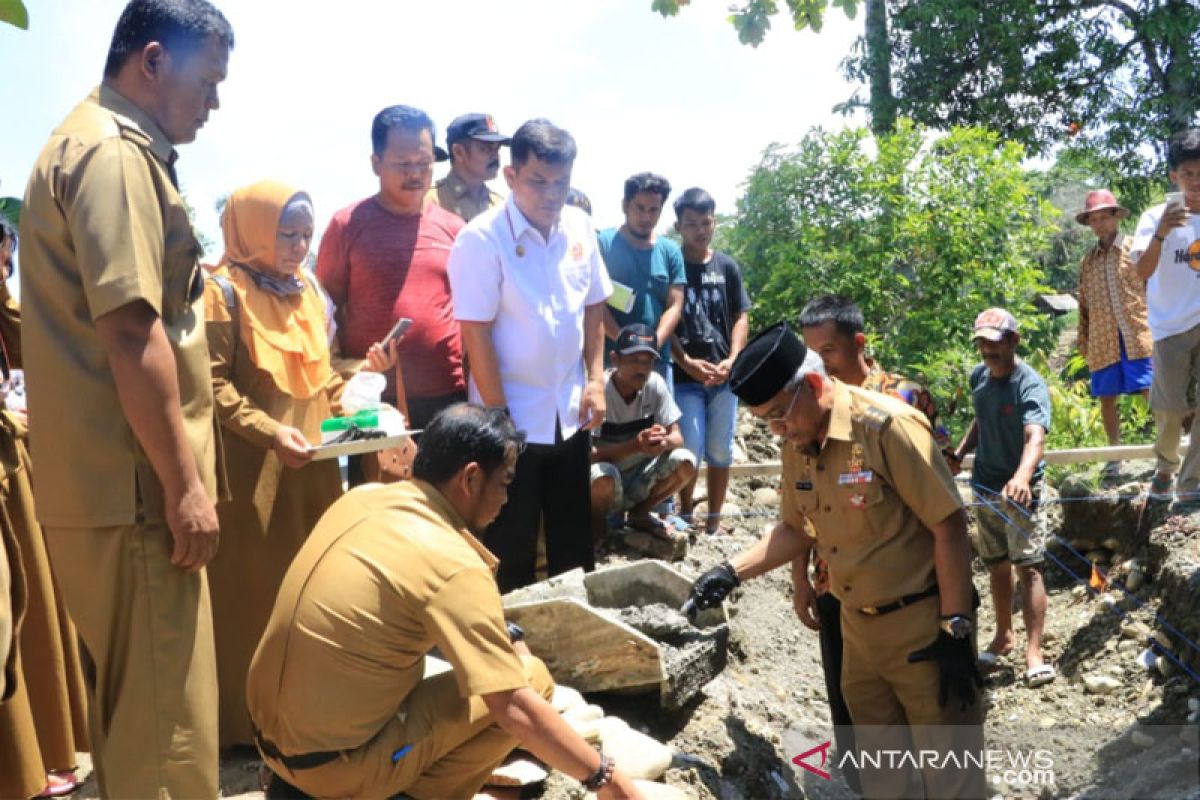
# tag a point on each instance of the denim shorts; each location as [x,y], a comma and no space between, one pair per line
[707,424]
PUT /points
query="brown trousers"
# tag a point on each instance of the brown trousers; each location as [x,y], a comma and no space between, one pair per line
[894,704]
[146,628]
[453,761]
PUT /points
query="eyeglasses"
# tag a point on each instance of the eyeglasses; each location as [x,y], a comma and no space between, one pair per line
[777,424]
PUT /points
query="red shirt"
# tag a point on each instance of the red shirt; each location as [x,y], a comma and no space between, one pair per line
[379,267]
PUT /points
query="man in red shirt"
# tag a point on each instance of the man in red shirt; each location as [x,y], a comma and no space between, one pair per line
[384,258]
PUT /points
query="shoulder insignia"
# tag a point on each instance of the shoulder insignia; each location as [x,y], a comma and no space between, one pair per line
[875,418]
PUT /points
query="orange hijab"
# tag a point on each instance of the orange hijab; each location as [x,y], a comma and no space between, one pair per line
[285,336]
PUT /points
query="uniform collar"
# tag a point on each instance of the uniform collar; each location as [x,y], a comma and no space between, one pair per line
[439,503]
[459,187]
[135,117]
[839,415]
[521,225]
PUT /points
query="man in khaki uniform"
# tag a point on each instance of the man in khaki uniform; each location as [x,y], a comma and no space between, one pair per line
[118,375]
[864,471]
[335,688]
[474,143]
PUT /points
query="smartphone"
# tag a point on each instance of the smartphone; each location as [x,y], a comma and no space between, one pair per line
[397,331]
[1174,199]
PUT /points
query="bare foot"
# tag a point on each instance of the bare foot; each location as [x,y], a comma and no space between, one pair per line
[1002,644]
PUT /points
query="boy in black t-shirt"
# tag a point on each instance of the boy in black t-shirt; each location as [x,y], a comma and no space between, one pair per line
[710,334]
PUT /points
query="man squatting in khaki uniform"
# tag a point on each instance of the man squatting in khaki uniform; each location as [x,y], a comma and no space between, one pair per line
[865,471]
[118,372]
[335,688]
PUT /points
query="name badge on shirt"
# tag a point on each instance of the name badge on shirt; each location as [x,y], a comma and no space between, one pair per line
[855,478]
[804,486]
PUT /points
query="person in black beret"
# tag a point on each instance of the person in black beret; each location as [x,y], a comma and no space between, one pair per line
[863,472]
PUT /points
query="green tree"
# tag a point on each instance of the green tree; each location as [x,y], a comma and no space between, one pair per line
[923,233]
[753,19]
[13,12]
[1115,77]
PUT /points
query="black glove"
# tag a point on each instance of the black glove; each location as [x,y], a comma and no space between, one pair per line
[958,669]
[712,587]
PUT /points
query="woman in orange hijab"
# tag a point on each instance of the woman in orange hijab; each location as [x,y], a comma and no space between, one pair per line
[273,385]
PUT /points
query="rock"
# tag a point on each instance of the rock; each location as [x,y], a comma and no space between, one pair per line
[1098,557]
[565,698]
[1046,723]
[584,713]
[1143,740]
[766,496]
[639,755]
[1194,704]
[518,771]
[731,510]
[568,584]
[654,547]
[653,791]
[1101,684]
[1165,666]
[1138,631]
[1128,646]
[1135,580]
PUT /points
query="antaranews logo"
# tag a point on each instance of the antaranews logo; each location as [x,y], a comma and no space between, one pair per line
[823,749]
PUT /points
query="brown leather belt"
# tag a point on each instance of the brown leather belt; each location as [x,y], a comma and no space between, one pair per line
[896,605]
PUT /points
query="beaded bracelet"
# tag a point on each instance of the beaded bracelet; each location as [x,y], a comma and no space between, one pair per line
[603,774]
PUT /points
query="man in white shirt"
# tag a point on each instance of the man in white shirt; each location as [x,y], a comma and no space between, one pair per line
[1166,250]
[529,288]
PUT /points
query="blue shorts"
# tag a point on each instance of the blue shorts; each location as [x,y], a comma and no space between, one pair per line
[1124,377]
[707,424]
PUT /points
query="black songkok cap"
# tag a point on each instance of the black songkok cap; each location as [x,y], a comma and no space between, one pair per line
[766,364]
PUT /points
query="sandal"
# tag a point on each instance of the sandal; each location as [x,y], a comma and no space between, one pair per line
[59,783]
[650,524]
[1039,675]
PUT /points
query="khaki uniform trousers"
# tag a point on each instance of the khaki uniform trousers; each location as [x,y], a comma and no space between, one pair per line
[151,671]
[894,704]
[451,761]
[1176,367]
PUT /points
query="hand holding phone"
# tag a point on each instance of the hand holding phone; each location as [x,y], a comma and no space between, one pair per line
[397,332]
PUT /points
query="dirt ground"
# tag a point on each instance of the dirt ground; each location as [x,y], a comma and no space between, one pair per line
[736,741]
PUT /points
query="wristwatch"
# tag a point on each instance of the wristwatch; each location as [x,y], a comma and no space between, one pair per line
[957,626]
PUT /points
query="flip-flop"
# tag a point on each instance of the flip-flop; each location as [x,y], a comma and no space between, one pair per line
[651,525]
[1040,675]
[59,784]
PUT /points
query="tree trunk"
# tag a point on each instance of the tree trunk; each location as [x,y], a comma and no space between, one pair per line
[879,68]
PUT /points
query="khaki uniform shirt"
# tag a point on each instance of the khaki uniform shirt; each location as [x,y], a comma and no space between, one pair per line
[453,195]
[1112,302]
[104,226]
[389,572]
[872,491]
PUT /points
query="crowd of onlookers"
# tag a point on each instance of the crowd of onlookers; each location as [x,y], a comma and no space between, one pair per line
[611,352]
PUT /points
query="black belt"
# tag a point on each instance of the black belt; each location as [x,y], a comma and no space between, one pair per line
[304,761]
[907,600]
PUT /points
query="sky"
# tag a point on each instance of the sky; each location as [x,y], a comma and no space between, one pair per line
[680,97]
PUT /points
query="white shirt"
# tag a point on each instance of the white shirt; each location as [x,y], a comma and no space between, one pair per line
[534,292]
[1173,291]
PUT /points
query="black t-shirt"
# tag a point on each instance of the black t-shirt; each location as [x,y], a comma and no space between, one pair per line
[713,300]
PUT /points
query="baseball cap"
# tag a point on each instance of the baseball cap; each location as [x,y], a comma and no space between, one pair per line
[994,323]
[475,126]
[637,338]
[766,364]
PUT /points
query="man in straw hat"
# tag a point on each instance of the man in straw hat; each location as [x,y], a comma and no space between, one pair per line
[1114,336]
[862,471]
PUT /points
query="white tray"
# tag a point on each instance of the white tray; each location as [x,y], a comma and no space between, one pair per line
[322,452]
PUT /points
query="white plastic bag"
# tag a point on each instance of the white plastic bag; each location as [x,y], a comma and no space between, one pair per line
[363,392]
